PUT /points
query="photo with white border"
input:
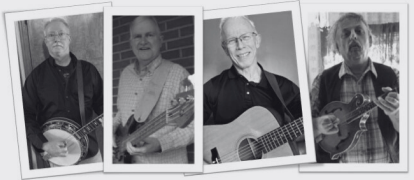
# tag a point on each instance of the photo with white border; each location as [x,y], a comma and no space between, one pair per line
[377,15]
[181,31]
[281,52]
[19,71]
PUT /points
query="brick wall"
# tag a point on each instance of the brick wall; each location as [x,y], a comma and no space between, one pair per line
[178,46]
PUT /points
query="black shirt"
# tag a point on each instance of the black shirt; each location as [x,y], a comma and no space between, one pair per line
[229,94]
[52,91]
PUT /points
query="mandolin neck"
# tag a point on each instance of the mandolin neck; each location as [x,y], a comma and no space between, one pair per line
[88,128]
[281,135]
[360,111]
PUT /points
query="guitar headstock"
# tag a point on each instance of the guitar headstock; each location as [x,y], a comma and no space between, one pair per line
[182,111]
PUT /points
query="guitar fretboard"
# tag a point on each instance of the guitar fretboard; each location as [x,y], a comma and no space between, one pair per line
[88,128]
[281,135]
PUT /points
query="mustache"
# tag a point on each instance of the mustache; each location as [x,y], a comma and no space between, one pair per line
[354,44]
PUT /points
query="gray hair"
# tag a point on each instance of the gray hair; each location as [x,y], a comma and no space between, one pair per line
[55,20]
[332,38]
[223,21]
[152,18]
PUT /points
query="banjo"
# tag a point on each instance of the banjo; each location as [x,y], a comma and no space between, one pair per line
[75,138]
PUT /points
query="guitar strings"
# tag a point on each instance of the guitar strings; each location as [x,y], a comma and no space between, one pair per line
[356,110]
[76,132]
[244,150]
[156,123]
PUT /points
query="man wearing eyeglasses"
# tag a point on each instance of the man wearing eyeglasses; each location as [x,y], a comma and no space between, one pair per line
[51,90]
[245,84]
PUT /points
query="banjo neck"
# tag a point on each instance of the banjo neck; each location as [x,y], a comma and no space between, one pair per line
[88,128]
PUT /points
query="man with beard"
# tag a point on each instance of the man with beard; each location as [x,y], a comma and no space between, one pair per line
[351,37]
[51,90]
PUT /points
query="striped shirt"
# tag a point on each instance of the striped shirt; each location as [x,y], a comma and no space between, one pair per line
[173,140]
[371,146]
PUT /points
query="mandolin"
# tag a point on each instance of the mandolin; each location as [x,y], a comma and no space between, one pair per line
[353,117]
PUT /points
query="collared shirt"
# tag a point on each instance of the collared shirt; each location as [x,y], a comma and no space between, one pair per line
[173,140]
[371,146]
[229,94]
[47,94]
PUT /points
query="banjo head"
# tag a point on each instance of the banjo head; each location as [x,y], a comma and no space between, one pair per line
[62,129]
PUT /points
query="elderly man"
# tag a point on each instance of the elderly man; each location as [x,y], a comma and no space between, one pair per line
[168,144]
[358,74]
[246,83]
[51,90]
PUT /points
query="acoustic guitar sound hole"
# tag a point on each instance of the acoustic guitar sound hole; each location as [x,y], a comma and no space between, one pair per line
[249,149]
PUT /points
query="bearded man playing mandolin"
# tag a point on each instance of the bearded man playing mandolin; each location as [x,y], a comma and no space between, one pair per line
[51,96]
[348,127]
[143,133]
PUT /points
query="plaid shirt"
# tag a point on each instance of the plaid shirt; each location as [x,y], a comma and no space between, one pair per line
[371,146]
[173,140]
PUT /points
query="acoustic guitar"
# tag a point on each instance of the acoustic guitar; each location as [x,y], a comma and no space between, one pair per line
[75,137]
[350,129]
[255,134]
[180,114]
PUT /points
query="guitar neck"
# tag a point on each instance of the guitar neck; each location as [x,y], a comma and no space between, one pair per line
[88,128]
[147,129]
[282,135]
[360,111]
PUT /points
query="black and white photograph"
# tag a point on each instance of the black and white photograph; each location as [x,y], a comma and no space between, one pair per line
[57,71]
[154,84]
[255,89]
[357,63]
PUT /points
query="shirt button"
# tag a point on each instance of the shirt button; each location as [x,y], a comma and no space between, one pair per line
[68,110]
[136,93]
[247,84]
[248,92]
[67,97]
[133,110]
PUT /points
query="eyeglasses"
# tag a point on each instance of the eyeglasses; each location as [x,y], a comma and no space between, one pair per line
[59,35]
[243,38]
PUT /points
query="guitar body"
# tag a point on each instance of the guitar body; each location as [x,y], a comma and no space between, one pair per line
[235,141]
[121,156]
[62,129]
[349,129]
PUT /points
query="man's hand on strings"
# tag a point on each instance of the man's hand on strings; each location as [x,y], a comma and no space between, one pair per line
[149,145]
[326,124]
[391,105]
[55,148]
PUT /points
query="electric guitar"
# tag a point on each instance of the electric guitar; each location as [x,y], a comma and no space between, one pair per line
[255,134]
[75,138]
[350,129]
[181,114]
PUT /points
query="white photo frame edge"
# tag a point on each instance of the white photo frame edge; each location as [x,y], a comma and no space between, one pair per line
[109,12]
[11,18]
[402,8]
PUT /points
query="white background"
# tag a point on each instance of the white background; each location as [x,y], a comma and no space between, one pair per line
[10,168]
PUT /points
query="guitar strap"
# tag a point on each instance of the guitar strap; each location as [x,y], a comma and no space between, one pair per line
[80,92]
[152,92]
[275,86]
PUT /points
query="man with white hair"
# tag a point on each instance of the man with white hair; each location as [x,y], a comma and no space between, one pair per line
[247,83]
[351,37]
[51,90]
